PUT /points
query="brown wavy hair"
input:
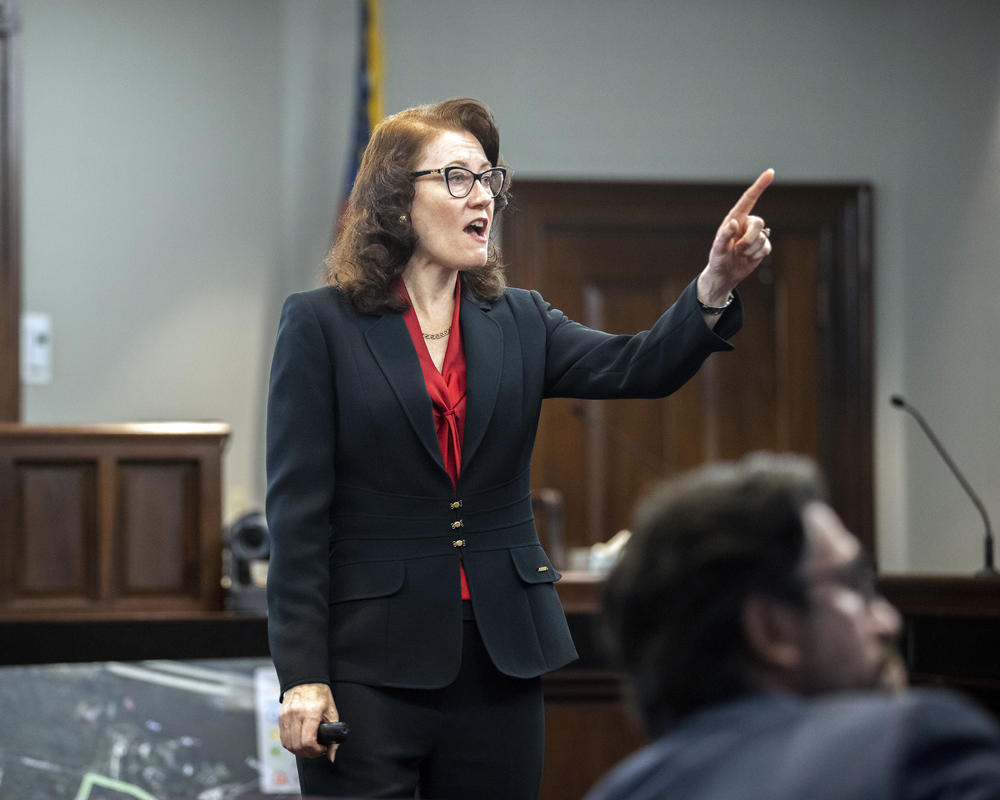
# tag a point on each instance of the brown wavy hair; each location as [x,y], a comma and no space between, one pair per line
[377,239]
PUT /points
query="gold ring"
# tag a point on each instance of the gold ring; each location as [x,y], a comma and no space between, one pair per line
[766,232]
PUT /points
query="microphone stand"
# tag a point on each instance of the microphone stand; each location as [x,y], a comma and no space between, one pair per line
[988,569]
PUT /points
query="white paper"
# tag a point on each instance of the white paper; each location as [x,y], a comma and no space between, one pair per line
[277,765]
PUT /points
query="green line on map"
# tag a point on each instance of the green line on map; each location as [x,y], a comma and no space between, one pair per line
[91,779]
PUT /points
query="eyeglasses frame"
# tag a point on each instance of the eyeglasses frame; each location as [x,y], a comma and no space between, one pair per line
[443,172]
[857,575]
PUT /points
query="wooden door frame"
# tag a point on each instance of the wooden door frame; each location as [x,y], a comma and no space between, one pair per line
[10,211]
[838,217]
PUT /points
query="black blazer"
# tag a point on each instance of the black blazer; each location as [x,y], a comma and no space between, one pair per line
[366,529]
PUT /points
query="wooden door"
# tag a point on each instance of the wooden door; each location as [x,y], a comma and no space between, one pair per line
[613,256]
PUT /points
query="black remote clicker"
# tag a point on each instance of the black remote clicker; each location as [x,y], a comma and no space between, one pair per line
[332,732]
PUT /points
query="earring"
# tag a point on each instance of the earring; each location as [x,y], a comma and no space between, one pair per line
[403,218]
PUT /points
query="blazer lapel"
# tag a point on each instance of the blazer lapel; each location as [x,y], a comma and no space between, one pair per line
[483,342]
[390,344]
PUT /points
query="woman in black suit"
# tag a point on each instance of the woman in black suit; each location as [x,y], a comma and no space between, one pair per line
[407,591]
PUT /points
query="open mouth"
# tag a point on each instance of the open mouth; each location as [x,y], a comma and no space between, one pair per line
[477,229]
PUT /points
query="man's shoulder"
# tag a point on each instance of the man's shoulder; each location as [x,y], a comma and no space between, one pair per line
[890,725]
[635,778]
[864,741]
[913,704]
[701,744]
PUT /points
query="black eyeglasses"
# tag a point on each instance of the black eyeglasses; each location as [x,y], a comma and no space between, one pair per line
[460,180]
[857,575]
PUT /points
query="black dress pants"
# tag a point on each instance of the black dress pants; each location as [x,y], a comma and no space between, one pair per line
[480,738]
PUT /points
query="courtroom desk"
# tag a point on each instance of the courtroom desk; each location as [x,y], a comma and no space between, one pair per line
[951,628]
[63,637]
[77,638]
[951,638]
[951,631]
[588,727]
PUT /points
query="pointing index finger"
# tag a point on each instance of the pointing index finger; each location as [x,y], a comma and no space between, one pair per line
[750,197]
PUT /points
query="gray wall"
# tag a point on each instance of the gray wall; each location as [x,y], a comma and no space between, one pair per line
[183,163]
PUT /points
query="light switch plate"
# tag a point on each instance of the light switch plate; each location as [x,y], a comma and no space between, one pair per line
[36,348]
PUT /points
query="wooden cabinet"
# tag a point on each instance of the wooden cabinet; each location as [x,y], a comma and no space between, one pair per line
[110,519]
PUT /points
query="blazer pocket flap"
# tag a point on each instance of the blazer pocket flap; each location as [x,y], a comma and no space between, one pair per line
[366,579]
[533,566]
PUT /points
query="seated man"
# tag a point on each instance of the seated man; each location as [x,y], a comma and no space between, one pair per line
[763,660]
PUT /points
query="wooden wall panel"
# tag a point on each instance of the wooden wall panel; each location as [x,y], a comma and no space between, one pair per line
[156,528]
[57,518]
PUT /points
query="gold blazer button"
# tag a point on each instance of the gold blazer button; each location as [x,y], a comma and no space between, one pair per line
[457,524]
[458,543]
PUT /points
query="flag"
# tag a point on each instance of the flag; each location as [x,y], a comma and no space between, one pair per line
[368,98]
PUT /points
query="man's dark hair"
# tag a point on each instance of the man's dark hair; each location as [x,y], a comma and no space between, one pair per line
[701,545]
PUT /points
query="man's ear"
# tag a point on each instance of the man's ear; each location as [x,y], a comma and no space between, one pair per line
[772,631]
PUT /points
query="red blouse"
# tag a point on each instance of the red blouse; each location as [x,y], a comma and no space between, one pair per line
[447,392]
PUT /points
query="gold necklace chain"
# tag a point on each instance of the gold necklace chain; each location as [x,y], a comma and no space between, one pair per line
[441,335]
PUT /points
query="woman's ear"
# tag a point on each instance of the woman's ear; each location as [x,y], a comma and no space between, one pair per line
[772,631]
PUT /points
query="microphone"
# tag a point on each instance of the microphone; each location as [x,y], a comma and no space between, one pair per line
[987,569]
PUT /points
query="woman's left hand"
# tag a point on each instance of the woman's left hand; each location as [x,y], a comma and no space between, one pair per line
[741,243]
